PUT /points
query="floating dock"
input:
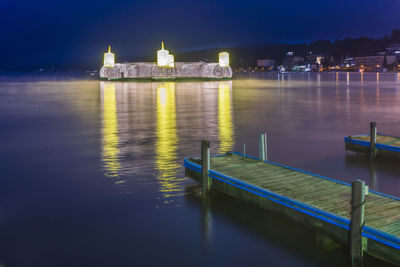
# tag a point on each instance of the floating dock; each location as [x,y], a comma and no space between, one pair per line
[374,144]
[386,145]
[319,203]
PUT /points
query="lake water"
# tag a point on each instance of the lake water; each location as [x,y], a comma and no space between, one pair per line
[91,172]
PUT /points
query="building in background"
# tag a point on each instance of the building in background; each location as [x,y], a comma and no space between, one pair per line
[266,63]
[393,49]
[369,61]
[391,59]
[293,60]
[349,62]
[290,59]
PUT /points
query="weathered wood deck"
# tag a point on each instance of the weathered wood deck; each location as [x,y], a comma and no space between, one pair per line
[320,203]
[388,146]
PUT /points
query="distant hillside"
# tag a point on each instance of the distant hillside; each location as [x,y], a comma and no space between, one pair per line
[245,55]
[334,51]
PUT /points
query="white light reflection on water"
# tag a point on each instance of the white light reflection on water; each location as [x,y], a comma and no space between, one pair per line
[225,121]
[110,140]
[134,114]
[167,142]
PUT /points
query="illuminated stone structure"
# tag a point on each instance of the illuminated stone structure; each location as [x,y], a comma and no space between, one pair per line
[109,59]
[165,68]
[163,57]
[224,59]
[171,61]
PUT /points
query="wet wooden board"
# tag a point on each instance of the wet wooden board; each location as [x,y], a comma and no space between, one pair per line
[381,212]
[381,139]
[319,203]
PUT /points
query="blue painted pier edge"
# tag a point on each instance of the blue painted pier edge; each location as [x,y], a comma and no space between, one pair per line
[378,244]
[353,144]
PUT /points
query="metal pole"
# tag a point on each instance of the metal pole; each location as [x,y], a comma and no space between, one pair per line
[357,221]
[372,147]
[244,150]
[266,146]
[205,166]
[262,146]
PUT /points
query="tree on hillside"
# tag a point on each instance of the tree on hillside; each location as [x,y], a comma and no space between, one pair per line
[395,36]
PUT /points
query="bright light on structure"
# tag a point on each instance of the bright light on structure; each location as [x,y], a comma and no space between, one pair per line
[224,59]
[164,59]
[171,61]
[109,58]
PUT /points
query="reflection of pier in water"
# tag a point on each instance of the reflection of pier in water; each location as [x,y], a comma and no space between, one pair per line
[126,129]
[267,226]
[110,139]
[225,122]
[167,142]
[360,161]
[142,121]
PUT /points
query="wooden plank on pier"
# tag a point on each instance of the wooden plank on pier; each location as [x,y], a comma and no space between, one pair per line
[303,187]
[327,195]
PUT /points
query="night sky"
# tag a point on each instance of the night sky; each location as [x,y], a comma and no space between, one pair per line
[77,32]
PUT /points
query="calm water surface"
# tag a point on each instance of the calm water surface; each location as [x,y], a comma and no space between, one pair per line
[91,171]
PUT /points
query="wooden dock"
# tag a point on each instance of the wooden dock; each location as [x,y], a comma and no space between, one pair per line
[388,146]
[319,203]
[374,144]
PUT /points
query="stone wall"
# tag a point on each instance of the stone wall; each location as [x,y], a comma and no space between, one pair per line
[150,70]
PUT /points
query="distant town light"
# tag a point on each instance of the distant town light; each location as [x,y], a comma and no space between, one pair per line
[224,59]
[109,58]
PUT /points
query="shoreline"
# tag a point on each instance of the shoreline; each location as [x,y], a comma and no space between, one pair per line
[165,79]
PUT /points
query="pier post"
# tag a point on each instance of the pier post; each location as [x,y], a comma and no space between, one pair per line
[244,150]
[262,146]
[357,221]
[372,148]
[205,167]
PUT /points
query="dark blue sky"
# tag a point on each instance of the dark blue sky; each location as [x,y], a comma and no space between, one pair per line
[73,32]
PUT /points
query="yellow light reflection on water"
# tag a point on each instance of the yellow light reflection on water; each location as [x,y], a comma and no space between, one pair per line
[167,141]
[110,130]
[225,123]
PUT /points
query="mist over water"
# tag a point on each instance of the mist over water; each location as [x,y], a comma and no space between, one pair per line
[91,172]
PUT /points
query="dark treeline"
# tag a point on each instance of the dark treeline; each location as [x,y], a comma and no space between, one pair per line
[333,51]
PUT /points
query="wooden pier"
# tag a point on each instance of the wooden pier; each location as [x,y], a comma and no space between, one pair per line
[374,144]
[366,221]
